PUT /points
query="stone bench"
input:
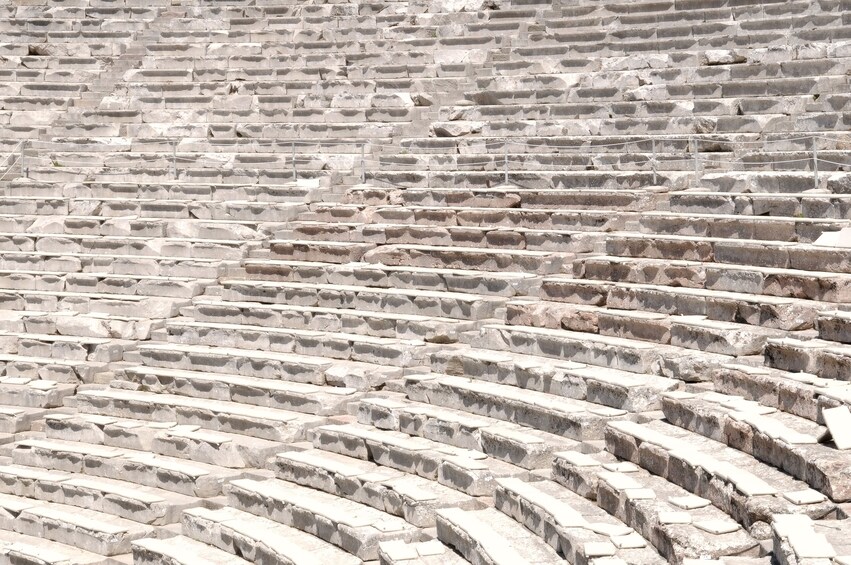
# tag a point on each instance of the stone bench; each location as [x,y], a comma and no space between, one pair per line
[827,359]
[354,527]
[577,528]
[259,539]
[50,369]
[526,447]
[424,553]
[597,294]
[467,471]
[361,322]
[678,524]
[742,279]
[687,331]
[85,529]
[746,489]
[607,386]
[408,496]
[180,550]
[265,364]
[787,204]
[567,417]
[488,536]
[345,346]
[146,505]
[271,393]
[139,467]
[778,438]
[455,305]
[213,415]
[628,355]
[393,276]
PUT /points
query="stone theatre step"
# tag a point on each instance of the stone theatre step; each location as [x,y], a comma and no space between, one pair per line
[470,472]
[146,505]
[258,539]
[408,496]
[180,550]
[354,527]
[525,447]
[778,438]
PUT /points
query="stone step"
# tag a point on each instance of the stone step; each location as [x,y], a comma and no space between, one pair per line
[354,527]
[498,283]
[768,312]
[103,283]
[276,394]
[540,262]
[344,346]
[791,443]
[266,364]
[50,369]
[628,355]
[258,539]
[575,419]
[796,205]
[782,255]
[36,549]
[25,392]
[457,305]
[146,505]
[526,447]
[362,322]
[687,331]
[211,415]
[423,553]
[153,265]
[746,489]
[576,528]
[802,394]
[17,419]
[834,325]
[491,237]
[168,438]
[475,216]
[633,392]
[470,472]
[827,359]
[800,539]
[826,287]
[408,496]
[620,199]
[85,529]
[180,550]
[312,250]
[99,350]
[669,517]
[143,468]
[488,536]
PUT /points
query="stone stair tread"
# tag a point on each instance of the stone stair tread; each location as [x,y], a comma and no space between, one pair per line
[37,549]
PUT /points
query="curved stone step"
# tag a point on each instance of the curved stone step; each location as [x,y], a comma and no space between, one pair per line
[260,540]
[408,496]
[490,537]
[180,550]
[354,527]
[423,553]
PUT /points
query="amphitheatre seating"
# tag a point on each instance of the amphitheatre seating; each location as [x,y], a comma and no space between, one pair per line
[412,283]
